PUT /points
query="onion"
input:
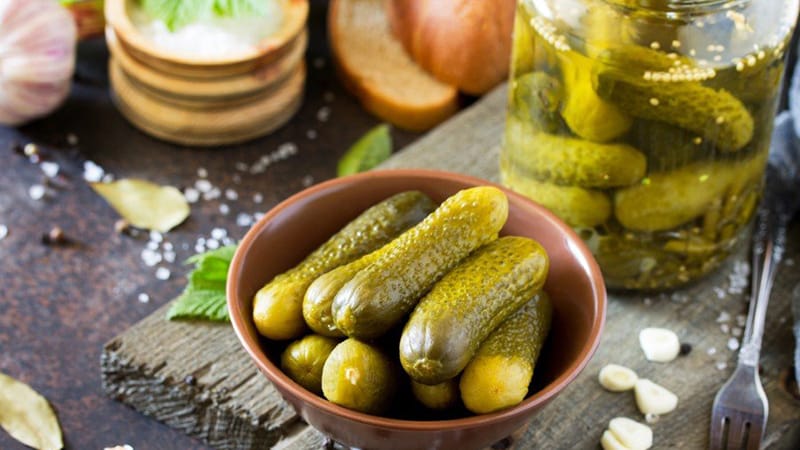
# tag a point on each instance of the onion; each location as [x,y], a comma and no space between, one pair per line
[37,58]
[465,43]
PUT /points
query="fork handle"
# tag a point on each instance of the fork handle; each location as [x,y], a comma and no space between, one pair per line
[768,246]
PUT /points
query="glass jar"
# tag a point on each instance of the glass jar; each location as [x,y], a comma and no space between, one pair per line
[645,125]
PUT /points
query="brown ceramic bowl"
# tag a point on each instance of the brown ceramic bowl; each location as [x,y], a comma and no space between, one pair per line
[295,227]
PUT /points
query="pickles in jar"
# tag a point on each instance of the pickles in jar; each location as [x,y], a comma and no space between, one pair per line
[658,144]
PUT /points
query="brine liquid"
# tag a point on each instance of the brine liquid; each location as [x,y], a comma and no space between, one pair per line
[646,131]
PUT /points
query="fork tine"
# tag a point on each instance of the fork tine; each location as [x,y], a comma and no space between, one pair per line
[736,431]
[718,431]
[754,439]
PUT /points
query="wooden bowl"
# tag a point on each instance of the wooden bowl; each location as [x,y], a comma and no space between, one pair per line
[296,226]
[270,49]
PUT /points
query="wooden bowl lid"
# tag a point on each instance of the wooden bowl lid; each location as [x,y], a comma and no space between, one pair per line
[212,125]
[269,49]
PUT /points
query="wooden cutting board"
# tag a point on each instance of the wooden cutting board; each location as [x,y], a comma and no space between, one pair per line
[195,376]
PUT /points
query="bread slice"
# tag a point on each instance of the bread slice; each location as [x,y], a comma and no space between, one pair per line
[374,66]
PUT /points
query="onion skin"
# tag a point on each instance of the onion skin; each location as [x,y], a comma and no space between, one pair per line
[465,43]
[37,58]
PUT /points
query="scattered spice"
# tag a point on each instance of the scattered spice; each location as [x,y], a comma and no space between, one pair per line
[54,237]
[16,147]
[122,226]
[686,348]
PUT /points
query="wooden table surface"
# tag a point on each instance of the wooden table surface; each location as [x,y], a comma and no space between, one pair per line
[59,305]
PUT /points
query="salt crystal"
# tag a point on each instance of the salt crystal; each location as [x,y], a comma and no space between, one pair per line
[49,168]
[257,216]
[725,328]
[185,246]
[651,418]
[719,292]
[736,331]
[92,172]
[258,197]
[738,278]
[733,344]
[219,233]
[167,246]
[144,298]
[724,316]
[169,256]
[741,319]
[722,365]
[36,191]
[150,257]
[265,159]
[311,134]
[202,172]
[307,181]
[107,178]
[323,114]
[212,244]
[72,139]
[152,245]
[241,167]
[230,194]
[258,168]
[224,209]
[244,220]
[227,241]
[711,351]
[203,185]
[155,236]
[286,150]
[213,194]
[789,262]
[191,195]
[3,232]
[237,179]
[162,273]
[199,248]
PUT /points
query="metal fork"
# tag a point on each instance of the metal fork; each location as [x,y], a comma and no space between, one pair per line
[740,409]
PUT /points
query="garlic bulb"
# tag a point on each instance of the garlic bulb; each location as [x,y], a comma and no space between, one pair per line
[37,58]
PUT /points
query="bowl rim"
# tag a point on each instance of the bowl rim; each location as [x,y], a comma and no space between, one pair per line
[541,397]
[295,17]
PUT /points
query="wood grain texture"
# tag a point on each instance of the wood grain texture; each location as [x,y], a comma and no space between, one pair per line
[228,404]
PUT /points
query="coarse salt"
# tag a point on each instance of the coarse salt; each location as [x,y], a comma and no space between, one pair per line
[191,195]
[162,273]
[144,298]
[92,172]
[3,232]
[36,191]
[224,209]
[49,168]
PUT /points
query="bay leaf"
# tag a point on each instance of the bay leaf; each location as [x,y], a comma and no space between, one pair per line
[144,204]
[27,416]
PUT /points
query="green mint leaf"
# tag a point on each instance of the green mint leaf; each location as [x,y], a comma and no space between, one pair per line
[204,295]
[203,305]
[370,150]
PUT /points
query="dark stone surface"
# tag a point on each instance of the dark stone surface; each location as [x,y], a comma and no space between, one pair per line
[59,304]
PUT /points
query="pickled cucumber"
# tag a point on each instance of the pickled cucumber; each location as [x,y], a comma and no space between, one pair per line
[303,360]
[277,307]
[670,199]
[452,320]
[360,376]
[319,296]
[576,206]
[569,161]
[588,115]
[716,115]
[668,147]
[381,294]
[437,396]
[501,371]
[536,97]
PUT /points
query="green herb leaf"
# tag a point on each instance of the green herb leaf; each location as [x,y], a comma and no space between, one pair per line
[27,416]
[370,150]
[177,13]
[204,295]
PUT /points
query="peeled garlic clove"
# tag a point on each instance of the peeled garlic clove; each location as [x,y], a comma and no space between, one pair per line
[610,442]
[37,58]
[659,344]
[631,434]
[617,378]
[654,399]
